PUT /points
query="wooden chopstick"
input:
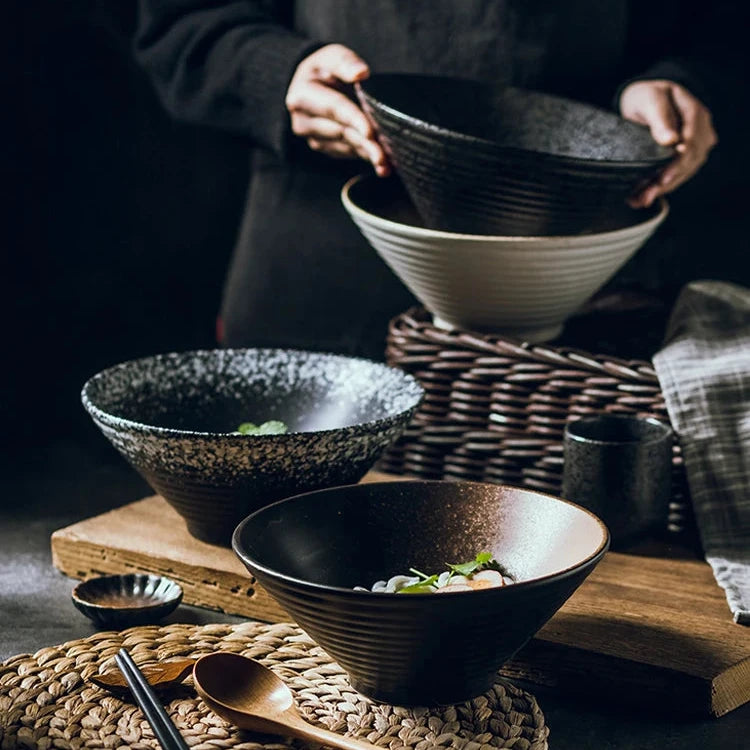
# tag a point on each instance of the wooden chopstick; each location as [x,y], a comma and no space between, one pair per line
[166,732]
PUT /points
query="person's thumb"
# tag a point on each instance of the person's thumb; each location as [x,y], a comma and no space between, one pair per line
[662,118]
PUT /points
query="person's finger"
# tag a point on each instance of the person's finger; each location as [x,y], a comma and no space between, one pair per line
[645,198]
[679,171]
[673,175]
[370,150]
[337,62]
[688,108]
[317,127]
[650,103]
[319,100]
[348,143]
[337,149]
[661,116]
[699,137]
[698,125]
[321,129]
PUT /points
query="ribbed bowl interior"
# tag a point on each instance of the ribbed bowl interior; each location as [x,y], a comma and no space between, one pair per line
[524,287]
[310,551]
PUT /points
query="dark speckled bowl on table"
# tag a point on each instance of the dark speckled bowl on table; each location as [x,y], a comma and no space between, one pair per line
[310,551]
[172,416]
[483,159]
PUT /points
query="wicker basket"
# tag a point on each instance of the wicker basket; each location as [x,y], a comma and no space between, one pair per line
[495,409]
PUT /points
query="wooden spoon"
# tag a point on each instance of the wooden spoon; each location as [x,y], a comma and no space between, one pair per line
[245,693]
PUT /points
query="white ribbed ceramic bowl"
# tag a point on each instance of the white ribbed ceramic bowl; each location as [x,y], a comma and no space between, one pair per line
[524,287]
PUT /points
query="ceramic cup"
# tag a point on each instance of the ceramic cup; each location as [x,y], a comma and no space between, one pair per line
[620,467]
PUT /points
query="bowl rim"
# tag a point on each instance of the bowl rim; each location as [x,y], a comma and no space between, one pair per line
[561,159]
[591,559]
[431,234]
[175,596]
[122,423]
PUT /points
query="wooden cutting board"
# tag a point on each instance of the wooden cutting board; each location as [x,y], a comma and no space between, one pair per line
[649,631]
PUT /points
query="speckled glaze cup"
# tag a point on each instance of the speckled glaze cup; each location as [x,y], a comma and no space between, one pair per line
[620,467]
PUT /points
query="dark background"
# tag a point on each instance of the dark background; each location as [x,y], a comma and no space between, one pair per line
[121,221]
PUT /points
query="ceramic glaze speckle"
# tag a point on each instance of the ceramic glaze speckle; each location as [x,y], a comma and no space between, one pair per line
[172,416]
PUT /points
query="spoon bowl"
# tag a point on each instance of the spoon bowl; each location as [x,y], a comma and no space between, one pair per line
[250,696]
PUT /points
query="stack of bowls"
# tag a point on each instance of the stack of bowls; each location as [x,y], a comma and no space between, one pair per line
[524,287]
[483,159]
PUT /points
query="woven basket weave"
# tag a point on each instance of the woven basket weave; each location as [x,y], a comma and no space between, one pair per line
[495,409]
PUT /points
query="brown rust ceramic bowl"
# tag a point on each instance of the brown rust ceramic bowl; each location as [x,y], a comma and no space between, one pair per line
[175,416]
[311,551]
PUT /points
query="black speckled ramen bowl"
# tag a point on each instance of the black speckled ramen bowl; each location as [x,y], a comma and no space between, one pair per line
[483,159]
[174,417]
[311,551]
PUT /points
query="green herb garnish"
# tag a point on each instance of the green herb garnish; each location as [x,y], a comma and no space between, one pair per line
[271,427]
[425,586]
[429,584]
[417,588]
[481,562]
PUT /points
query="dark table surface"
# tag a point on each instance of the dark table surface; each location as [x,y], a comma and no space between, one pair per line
[70,479]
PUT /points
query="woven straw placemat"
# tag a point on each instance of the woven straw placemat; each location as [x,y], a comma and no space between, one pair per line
[46,700]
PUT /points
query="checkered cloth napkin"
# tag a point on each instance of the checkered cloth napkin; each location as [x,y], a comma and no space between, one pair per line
[704,372]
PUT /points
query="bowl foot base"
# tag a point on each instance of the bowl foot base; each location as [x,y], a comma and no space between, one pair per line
[529,335]
[219,536]
[425,695]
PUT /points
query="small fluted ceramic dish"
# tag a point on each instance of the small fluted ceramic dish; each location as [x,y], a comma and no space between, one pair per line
[121,601]
[484,159]
[175,418]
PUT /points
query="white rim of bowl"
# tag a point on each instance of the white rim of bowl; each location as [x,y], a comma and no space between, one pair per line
[424,233]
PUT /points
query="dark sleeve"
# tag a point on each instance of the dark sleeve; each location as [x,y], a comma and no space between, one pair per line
[696,43]
[222,64]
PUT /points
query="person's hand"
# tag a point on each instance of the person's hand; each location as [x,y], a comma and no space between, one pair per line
[324,115]
[675,118]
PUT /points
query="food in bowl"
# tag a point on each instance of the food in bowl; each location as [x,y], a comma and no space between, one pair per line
[480,573]
[269,427]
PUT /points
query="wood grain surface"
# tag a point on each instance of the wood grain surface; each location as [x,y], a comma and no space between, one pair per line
[653,631]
